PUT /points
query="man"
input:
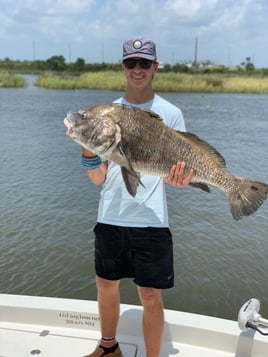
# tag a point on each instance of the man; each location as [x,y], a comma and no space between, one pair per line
[132,238]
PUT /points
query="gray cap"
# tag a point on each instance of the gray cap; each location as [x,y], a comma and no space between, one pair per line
[141,47]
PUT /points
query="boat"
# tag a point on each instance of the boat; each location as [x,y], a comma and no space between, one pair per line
[58,327]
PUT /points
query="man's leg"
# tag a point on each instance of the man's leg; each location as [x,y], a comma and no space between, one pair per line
[153,319]
[109,309]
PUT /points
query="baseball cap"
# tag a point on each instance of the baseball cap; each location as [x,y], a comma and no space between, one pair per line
[139,46]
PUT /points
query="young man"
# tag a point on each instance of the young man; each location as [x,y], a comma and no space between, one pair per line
[132,238]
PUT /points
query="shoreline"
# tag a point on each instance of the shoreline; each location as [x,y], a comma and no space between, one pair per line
[163,82]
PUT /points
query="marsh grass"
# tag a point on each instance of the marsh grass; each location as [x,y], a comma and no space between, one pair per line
[9,80]
[163,82]
[246,85]
[178,82]
[91,80]
[103,80]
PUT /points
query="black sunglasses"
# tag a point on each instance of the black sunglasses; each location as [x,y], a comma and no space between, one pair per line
[132,62]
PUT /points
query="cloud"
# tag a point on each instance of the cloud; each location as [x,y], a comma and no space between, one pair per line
[95,28]
[50,8]
[191,8]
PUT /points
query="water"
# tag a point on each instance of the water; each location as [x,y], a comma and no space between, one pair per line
[48,207]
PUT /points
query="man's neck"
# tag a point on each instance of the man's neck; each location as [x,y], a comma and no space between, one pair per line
[139,96]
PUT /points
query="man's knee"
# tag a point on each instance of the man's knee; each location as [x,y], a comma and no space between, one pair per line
[107,284]
[149,296]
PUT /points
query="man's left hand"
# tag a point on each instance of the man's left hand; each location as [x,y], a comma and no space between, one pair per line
[176,175]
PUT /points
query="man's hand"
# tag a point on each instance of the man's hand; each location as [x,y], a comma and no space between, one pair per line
[176,175]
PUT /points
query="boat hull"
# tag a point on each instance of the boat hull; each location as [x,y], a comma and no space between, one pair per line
[53,327]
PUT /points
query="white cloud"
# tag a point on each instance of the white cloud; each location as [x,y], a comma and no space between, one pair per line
[50,7]
[190,8]
[125,6]
[221,25]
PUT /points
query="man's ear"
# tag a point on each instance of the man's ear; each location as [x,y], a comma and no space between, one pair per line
[156,64]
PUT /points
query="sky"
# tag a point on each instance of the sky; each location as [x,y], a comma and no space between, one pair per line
[226,31]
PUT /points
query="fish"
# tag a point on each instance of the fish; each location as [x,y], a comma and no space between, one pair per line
[140,142]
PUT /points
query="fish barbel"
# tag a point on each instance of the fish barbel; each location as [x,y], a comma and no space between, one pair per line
[139,141]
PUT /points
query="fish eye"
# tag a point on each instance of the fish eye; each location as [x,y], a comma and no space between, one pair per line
[82,114]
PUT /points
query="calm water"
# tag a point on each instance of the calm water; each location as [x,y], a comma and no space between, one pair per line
[48,207]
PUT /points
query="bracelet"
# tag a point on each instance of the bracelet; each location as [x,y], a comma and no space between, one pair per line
[91,163]
[108,339]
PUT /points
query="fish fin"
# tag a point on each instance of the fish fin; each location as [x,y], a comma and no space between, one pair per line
[131,180]
[151,114]
[130,176]
[218,158]
[148,111]
[246,197]
[200,185]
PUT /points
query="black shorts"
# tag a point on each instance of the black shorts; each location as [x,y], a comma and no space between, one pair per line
[145,254]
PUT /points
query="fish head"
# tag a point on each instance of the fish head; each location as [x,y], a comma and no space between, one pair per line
[94,128]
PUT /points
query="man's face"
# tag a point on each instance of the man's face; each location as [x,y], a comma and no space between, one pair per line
[139,71]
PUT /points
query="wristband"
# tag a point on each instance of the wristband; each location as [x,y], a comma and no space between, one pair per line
[91,163]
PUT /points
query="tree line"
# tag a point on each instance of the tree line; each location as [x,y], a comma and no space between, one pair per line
[55,63]
[59,64]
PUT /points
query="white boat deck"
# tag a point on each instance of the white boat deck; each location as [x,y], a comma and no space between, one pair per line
[52,327]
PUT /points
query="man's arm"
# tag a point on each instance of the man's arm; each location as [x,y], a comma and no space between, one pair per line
[98,175]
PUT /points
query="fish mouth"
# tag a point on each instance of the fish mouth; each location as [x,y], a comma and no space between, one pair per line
[71,121]
[69,125]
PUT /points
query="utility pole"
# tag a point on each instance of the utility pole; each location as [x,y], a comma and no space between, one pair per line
[102,51]
[33,50]
[229,58]
[70,53]
[195,52]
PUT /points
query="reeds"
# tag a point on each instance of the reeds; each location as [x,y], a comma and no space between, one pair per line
[9,80]
[163,82]
[91,80]
[210,83]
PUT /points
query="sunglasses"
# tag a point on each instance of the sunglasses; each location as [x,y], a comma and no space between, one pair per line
[132,62]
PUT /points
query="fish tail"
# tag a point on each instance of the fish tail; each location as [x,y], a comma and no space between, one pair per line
[246,197]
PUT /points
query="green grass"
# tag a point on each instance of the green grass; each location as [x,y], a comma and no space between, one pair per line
[163,82]
[8,80]
[210,83]
[93,80]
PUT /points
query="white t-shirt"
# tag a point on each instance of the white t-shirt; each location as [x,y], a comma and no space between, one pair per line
[149,206]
